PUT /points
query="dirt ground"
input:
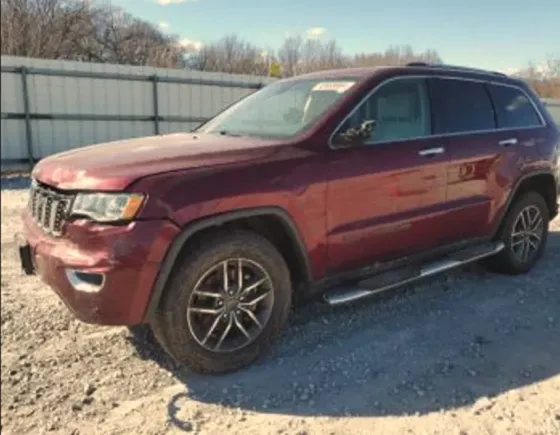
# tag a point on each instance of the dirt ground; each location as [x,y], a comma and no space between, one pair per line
[466,353]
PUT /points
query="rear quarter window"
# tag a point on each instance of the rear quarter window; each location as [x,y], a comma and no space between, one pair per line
[513,107]
[553,108]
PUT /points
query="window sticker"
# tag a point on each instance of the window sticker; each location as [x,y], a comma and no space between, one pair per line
[339,87]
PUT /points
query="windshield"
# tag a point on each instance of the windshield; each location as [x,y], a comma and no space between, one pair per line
[280,110]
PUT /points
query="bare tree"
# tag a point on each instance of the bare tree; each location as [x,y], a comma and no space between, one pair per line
[298,55]
[77,30]
[396,55]
[42,28]
[118,37]
[230,54]
[545,78]
[290,55]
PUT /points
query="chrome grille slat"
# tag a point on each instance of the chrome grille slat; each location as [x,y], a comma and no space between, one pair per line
[48,208]
[52,218]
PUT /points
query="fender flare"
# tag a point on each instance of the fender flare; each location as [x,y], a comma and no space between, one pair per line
[514,191]
[216,220]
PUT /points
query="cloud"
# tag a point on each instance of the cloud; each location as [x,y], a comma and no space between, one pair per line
[315,32]
[508,70]
[190,44]
[171,2]
[163,25]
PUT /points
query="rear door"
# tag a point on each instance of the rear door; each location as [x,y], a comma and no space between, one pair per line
[384,196]
[523,131]
[478,154]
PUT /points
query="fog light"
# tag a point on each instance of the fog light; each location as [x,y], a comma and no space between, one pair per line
[85,281]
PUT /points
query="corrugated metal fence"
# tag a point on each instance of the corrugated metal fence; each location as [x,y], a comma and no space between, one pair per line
[54,106]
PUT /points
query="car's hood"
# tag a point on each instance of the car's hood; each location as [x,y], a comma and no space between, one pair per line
[114,165]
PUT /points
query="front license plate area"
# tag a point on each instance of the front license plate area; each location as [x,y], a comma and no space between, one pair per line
[26,260]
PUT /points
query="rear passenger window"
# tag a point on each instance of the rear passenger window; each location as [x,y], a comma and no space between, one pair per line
[513,108]
[460,106]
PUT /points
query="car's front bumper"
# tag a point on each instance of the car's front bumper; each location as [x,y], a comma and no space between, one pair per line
[103,273]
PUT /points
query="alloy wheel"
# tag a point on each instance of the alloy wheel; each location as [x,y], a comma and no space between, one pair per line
[230,305]
[527,233]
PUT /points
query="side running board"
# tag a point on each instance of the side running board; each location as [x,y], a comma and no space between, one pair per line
[393,279]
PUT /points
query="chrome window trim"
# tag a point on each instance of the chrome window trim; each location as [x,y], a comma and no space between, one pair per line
[443,135]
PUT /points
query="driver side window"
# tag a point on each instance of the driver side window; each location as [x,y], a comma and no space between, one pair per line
[398,110]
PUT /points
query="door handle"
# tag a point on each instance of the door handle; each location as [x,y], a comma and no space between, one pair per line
[508,142]
[431,151]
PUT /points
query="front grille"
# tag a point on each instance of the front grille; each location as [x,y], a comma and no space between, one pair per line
[49,208]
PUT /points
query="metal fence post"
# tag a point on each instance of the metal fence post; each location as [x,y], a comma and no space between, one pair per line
[155,79]
[28,135]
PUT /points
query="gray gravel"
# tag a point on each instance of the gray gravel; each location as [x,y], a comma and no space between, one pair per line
[466,353]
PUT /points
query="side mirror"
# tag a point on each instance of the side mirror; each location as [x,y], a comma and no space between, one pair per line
[355,136]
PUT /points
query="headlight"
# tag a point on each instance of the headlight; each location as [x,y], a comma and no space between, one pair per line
[107,207]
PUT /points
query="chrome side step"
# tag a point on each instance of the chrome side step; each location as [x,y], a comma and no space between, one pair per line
[391,280]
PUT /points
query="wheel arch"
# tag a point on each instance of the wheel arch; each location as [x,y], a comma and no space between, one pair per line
[274,223]
[542,182]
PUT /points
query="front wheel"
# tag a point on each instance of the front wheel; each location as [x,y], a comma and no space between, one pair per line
[225,304]
[524,234]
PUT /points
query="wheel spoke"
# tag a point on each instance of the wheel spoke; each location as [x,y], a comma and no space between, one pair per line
[254,301]
[532,244]
[208,294]
[535,217]
[213,311]
[211,330]
[240,326]
[253,286]
[225,333]
[536,224]
[523,220]
[252,316]
[525,251]
[239,274]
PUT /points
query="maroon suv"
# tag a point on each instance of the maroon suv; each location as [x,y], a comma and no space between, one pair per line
[341,183]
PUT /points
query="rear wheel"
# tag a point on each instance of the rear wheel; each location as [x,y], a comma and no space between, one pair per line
[226,303]
[524,234]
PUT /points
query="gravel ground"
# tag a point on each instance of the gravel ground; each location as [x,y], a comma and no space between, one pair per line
[466,353]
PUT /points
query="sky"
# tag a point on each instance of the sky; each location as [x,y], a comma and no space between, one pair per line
[496,34]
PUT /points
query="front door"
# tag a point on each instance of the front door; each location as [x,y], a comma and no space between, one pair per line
[385,196]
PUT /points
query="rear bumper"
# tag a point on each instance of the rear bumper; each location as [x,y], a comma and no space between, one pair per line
[104,274]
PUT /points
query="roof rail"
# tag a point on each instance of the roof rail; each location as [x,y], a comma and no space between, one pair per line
[455,67]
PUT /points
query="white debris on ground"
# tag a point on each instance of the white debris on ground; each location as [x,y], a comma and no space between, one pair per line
[466,353]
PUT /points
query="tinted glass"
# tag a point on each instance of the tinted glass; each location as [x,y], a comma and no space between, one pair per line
[400,110]
[513,108]
[460,106]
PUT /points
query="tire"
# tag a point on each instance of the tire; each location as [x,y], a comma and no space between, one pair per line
[182,330]
[509,261]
